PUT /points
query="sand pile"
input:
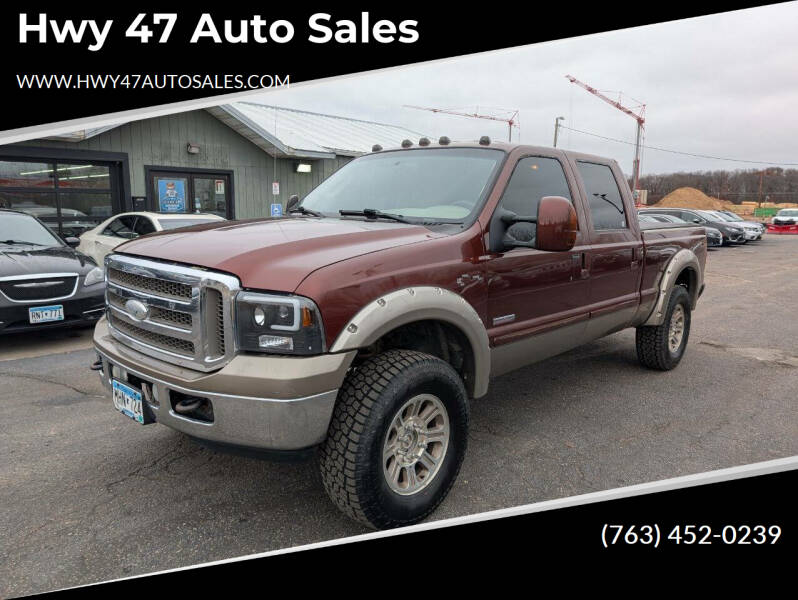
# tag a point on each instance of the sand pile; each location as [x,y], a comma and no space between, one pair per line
[687,197]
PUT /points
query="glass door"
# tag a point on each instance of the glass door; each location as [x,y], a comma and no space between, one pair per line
[180,192]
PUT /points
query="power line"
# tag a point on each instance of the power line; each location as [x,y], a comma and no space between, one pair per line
[739,160]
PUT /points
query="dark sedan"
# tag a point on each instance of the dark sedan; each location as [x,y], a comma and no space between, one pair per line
[44,281]
[732,233]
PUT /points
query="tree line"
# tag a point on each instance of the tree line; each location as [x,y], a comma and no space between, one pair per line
[773,184]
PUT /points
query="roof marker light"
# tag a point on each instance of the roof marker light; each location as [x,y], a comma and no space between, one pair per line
[484,141]
[376,148]
[423,141]
[444,141]
[406,143]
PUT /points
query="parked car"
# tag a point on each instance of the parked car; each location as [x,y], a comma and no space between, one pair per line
[714,236]
[731,232]
[786,216]
[365,320]
[101,240]
[44,281]
[753,230]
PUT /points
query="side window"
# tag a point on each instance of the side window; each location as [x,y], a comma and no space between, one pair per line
[121,227]
[604,196]
[144,226]
[532,179]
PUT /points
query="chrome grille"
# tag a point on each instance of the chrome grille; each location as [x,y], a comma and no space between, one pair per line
[27,288]
[157,287]
[188,319]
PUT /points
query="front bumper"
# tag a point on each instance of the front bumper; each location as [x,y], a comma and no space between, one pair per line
[258,401]
[84,308]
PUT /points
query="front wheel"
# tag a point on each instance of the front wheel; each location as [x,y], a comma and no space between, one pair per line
[397,439]
[661,347]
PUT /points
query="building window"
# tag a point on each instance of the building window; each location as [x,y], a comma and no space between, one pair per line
[69,197]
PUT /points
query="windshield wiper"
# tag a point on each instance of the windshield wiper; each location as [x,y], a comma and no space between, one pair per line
[373,213]
[20,242]
[305,211]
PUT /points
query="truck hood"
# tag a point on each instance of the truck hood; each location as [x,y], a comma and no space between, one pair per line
[275,254]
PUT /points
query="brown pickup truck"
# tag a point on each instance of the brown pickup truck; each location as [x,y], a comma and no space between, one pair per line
[365,321]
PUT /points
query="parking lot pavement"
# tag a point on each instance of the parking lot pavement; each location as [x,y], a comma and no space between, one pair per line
[14,346]
[87,495]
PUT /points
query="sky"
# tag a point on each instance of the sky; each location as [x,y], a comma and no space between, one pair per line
[724,85]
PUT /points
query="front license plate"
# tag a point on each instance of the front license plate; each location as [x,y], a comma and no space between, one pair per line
[45,314]
[127,400]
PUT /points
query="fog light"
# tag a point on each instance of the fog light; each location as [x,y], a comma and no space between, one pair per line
[276,341]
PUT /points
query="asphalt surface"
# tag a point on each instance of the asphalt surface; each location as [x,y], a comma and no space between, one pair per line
[87,495]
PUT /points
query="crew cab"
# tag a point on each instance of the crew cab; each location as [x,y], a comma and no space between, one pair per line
[367,319]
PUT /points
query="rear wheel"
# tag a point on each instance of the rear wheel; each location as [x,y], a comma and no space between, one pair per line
[397,439]
[662,347]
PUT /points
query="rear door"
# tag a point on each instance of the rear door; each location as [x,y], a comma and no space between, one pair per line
[533,292]
[615,256]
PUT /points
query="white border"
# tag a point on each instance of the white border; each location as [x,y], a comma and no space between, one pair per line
[686,481]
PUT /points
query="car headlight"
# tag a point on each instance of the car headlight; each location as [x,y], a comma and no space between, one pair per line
[278,324]
[96,275]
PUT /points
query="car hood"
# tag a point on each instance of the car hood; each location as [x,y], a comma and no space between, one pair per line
[18,260]
[275,254]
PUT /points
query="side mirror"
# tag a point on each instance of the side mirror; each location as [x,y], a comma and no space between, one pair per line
[557,224]
[72,242]
[293,200]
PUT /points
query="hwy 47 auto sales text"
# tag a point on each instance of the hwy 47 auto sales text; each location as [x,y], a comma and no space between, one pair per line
[322,28]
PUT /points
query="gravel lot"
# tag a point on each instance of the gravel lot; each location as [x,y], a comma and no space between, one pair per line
[87,495]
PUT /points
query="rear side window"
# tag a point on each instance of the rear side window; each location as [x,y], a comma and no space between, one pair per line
[144,226]
[121,227]
[532,179]
[604,196]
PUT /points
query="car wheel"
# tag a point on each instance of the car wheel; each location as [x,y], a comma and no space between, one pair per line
[662,346]
[397,439]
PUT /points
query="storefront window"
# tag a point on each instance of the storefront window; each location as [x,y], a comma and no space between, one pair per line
[68,197]
[26,174]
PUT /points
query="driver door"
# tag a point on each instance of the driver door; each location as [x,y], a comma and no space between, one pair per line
[533,293]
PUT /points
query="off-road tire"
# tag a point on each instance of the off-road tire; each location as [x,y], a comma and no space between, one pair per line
[653,350]
[351,459]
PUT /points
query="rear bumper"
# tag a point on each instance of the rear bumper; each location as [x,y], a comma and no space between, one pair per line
[264,402]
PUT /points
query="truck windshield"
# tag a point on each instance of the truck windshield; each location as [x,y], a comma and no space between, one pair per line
[442,185]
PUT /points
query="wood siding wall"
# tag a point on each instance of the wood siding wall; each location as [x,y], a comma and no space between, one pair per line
[162,142]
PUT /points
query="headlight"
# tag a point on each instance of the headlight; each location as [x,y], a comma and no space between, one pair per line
[96,275]
[278,324]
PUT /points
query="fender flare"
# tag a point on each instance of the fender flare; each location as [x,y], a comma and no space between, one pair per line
[422,303]
[680,261]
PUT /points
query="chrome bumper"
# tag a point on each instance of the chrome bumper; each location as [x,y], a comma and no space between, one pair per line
[279,421]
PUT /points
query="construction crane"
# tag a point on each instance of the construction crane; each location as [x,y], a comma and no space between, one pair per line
[512,120]
[638,116]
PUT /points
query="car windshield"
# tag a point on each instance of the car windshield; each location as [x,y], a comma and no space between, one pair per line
[167,224]
[438,185]
[16,228]
[730,217]
[786,212]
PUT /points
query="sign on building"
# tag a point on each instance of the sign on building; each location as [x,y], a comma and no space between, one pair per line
[277,210]
[172,195]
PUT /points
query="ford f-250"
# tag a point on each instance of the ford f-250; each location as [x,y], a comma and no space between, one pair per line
[366,320]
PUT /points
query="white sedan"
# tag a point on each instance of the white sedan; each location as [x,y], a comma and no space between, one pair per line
[120,228]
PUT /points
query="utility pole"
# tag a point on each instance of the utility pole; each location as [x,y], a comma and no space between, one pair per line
[557,128]
[638,116]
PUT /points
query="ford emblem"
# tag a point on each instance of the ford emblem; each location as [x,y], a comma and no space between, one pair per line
[138,310]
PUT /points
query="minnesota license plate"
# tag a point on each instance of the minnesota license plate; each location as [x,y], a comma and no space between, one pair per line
[127,400]
[45,314]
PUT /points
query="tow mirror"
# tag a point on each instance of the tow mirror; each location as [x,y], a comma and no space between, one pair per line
[293,200]
[72,242]
[557,224]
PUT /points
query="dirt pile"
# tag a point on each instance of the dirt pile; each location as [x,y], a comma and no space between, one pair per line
[687,197]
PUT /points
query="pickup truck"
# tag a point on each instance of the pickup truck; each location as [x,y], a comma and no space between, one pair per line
[367,319]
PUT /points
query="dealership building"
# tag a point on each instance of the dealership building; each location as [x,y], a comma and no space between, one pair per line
[238,160]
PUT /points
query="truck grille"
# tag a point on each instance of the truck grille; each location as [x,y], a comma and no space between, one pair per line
[45,287]
[180,314]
